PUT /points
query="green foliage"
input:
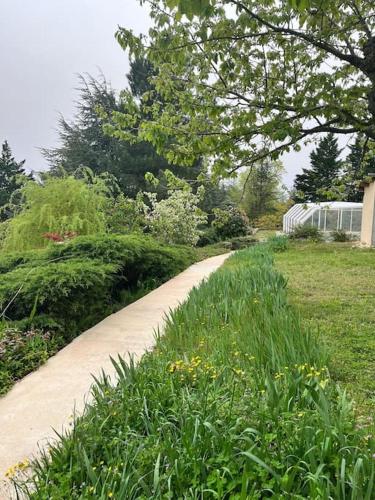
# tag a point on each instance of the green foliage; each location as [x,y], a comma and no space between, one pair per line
[231,222]
[274,220]
[12,175]
[208,237]
[359,163]
[241,242]
[59,206]
[23,352]
[306,232]
[315,184]
[341,236]
[176,219]
[87,140]
[278,243]
[310,72]
[71,286]
[126,215]
[236,401]
[259,190]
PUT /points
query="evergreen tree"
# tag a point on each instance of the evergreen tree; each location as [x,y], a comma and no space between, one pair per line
[11,173]
[84,142]
[357,166]
[315,183]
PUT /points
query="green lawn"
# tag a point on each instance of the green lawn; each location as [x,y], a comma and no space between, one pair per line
[333,286]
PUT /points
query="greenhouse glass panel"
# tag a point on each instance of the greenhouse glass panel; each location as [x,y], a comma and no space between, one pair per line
[346,220]
[321,219]
[331,220]
[356,221]
[328,216]
[309,221]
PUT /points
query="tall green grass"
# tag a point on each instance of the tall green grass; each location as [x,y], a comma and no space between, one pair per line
[234,402]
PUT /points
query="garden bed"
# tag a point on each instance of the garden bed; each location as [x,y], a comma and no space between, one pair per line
[236,401]
[48,297]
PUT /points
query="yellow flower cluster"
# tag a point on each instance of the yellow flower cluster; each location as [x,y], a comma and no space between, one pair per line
[18,467]
[308,371]
[239,372]
[191,369]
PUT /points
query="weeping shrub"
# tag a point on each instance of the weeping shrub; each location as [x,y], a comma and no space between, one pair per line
[58,206]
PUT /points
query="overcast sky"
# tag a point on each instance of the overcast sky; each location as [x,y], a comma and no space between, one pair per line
[44,44]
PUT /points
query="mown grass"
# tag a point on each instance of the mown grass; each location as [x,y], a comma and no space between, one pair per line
[333,287]
[235,402]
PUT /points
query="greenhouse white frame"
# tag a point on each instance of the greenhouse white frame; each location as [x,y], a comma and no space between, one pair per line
[326,216]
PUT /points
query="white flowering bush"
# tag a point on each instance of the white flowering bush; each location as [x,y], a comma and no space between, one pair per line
[177,218]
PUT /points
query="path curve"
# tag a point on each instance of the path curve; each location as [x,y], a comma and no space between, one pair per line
[45,399]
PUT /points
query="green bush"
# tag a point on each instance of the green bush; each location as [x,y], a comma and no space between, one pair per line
[236,402]
[242,242]
[269,221]
[230,223]
[208,237]
[71,286]
[341,236]
[302,232]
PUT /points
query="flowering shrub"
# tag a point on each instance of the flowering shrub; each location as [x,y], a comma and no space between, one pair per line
[177,218]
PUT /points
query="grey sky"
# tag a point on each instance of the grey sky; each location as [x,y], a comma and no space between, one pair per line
[43,45]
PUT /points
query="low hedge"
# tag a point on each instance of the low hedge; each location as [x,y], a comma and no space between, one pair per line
[67,288]
[71,286]
[235,402]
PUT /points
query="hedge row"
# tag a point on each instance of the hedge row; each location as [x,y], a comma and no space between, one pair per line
[65,289]
[235,402]
[71,286]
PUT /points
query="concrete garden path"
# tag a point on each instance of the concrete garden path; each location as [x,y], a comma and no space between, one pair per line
[45,400]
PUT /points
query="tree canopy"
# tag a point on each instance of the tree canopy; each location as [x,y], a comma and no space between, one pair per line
[259,189]
[247,79]
[85,141]
[11,174]
[357,166]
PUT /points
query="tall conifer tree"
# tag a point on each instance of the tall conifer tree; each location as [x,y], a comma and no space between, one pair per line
[313,184]
[11,172]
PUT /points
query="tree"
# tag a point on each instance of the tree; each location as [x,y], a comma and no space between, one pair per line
[259,189]
[85,141]
[12,173]
[246,70]
[357,166]
[54,209]
[315,184]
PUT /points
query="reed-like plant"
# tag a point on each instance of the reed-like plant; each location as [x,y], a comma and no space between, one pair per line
[236,401]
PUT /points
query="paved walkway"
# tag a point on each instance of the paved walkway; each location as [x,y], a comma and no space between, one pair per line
[45,399]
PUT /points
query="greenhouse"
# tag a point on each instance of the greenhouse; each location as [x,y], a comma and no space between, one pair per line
[326,216]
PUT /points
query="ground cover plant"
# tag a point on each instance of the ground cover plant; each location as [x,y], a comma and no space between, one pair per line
[332,285]
[22,352]
[54,294]
[236,401]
